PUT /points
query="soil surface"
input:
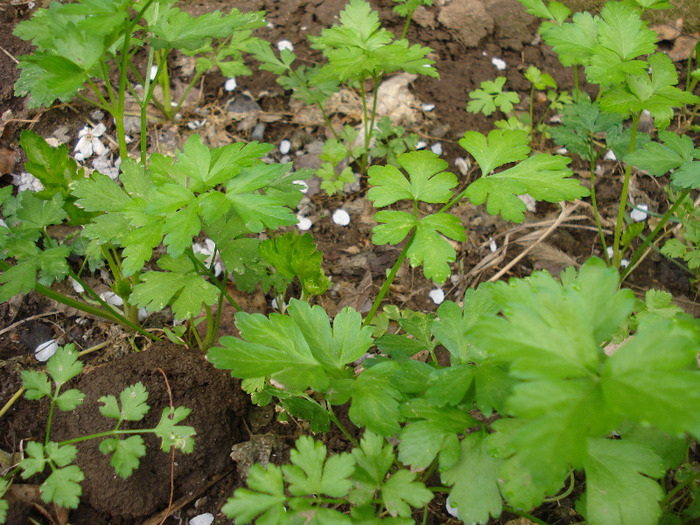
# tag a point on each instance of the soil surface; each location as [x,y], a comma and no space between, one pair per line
[465,35]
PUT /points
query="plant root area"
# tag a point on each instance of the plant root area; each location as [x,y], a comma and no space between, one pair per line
[465,36]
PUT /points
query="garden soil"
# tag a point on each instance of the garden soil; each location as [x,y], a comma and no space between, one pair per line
[465,36]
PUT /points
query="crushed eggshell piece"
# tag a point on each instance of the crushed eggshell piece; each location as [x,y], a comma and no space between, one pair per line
[341,217]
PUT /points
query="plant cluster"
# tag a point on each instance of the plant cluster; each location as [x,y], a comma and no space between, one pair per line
[546,381]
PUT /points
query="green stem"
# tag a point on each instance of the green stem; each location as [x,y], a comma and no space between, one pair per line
[210,326]
[672,493]
[385,287]
[617,254]
[669,213]
[337,422]
[566,493]
[596,215]
[105,434]
[365,121]
[408,22]
[48,422]
[576,88]
[211,333]
[532,105]
[221,286]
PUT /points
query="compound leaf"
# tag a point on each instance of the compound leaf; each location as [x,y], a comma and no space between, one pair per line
[125,453]
[501,147]
[264,498]
[312,473]
[63,487]
[64,364]
[401,492]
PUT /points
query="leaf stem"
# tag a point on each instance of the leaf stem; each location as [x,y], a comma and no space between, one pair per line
[337,422]
[669,213]
[617,254]
[390,278]
[596,215]
[107,433]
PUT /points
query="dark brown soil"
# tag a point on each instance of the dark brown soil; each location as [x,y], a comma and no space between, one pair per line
[207,477]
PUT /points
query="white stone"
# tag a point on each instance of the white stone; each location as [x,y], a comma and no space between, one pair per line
[285,146]
[230,84]
[341,217]
[202,519]
[436,148]
[437,295]
[639,214]
[499,63]
[45,350]
[285,44]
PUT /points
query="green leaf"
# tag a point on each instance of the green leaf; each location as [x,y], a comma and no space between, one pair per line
[428,180]
[401,490]
[20,278]
[185,291]
[430,430]
[125,453]
[656,93]
[172,434]
[133,402]
[474,481]
[34,461]
[312,473]
[64,364]
[295,255]
[432,249]
[677,153]
[539,80]
[62,487]
[490,96]
[542,176]
[645,377]
[373,459]
[452,324]
[618,490]
[35,384]
[61,455]
[37,213]
[574,42]
[502,147]
[375,401]
[397,226]
[100,193]
[69,399]
[264,498]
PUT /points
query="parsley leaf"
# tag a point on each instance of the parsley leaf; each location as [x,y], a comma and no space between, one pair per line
[64,364]
[490,96]
[133,404]
[63,487]
[264,498]
[312,473]
[125,453]
[401,492]
[676,153]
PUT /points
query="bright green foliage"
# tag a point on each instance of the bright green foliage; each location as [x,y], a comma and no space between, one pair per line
[64,365]
[125,453]
[391,141]
[407,7]
[618,490]
[474,481]
[542,176]
[539,80]
[4,505]
[427,182]
[28,217]
[62,487]
[573,41]
[294,255]
[581,121]
[359,48]
[581,394]
[490,97]
[356,477]
[553,10]
[172,434]
[334,171]
[133,404]
[675,153]
[298,350]
[56,169]
[655,93]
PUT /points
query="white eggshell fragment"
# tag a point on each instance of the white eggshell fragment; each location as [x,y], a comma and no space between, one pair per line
[112,298]
[285,44]
[45,350]
[499,63]
[285,146]
[202,519]
[493,246]
[639,214]
[421,144]
[427,107]
[451,510]
[341,217]
[436,148]
[230,84]
[462,165]
[304,223]
[609,155]
[437,295]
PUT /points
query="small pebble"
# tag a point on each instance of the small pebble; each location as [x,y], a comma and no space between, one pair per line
[499,63]
[285,44]
[45,350]
[421,144]
[258,132]
[437,295]
[639,214]
[230,84]
[436,148]
[285,146]
[462,165]
[97,114]
[285,158]
[493,246]
[341,217]
[202,519]
[143,313]
[304,223]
